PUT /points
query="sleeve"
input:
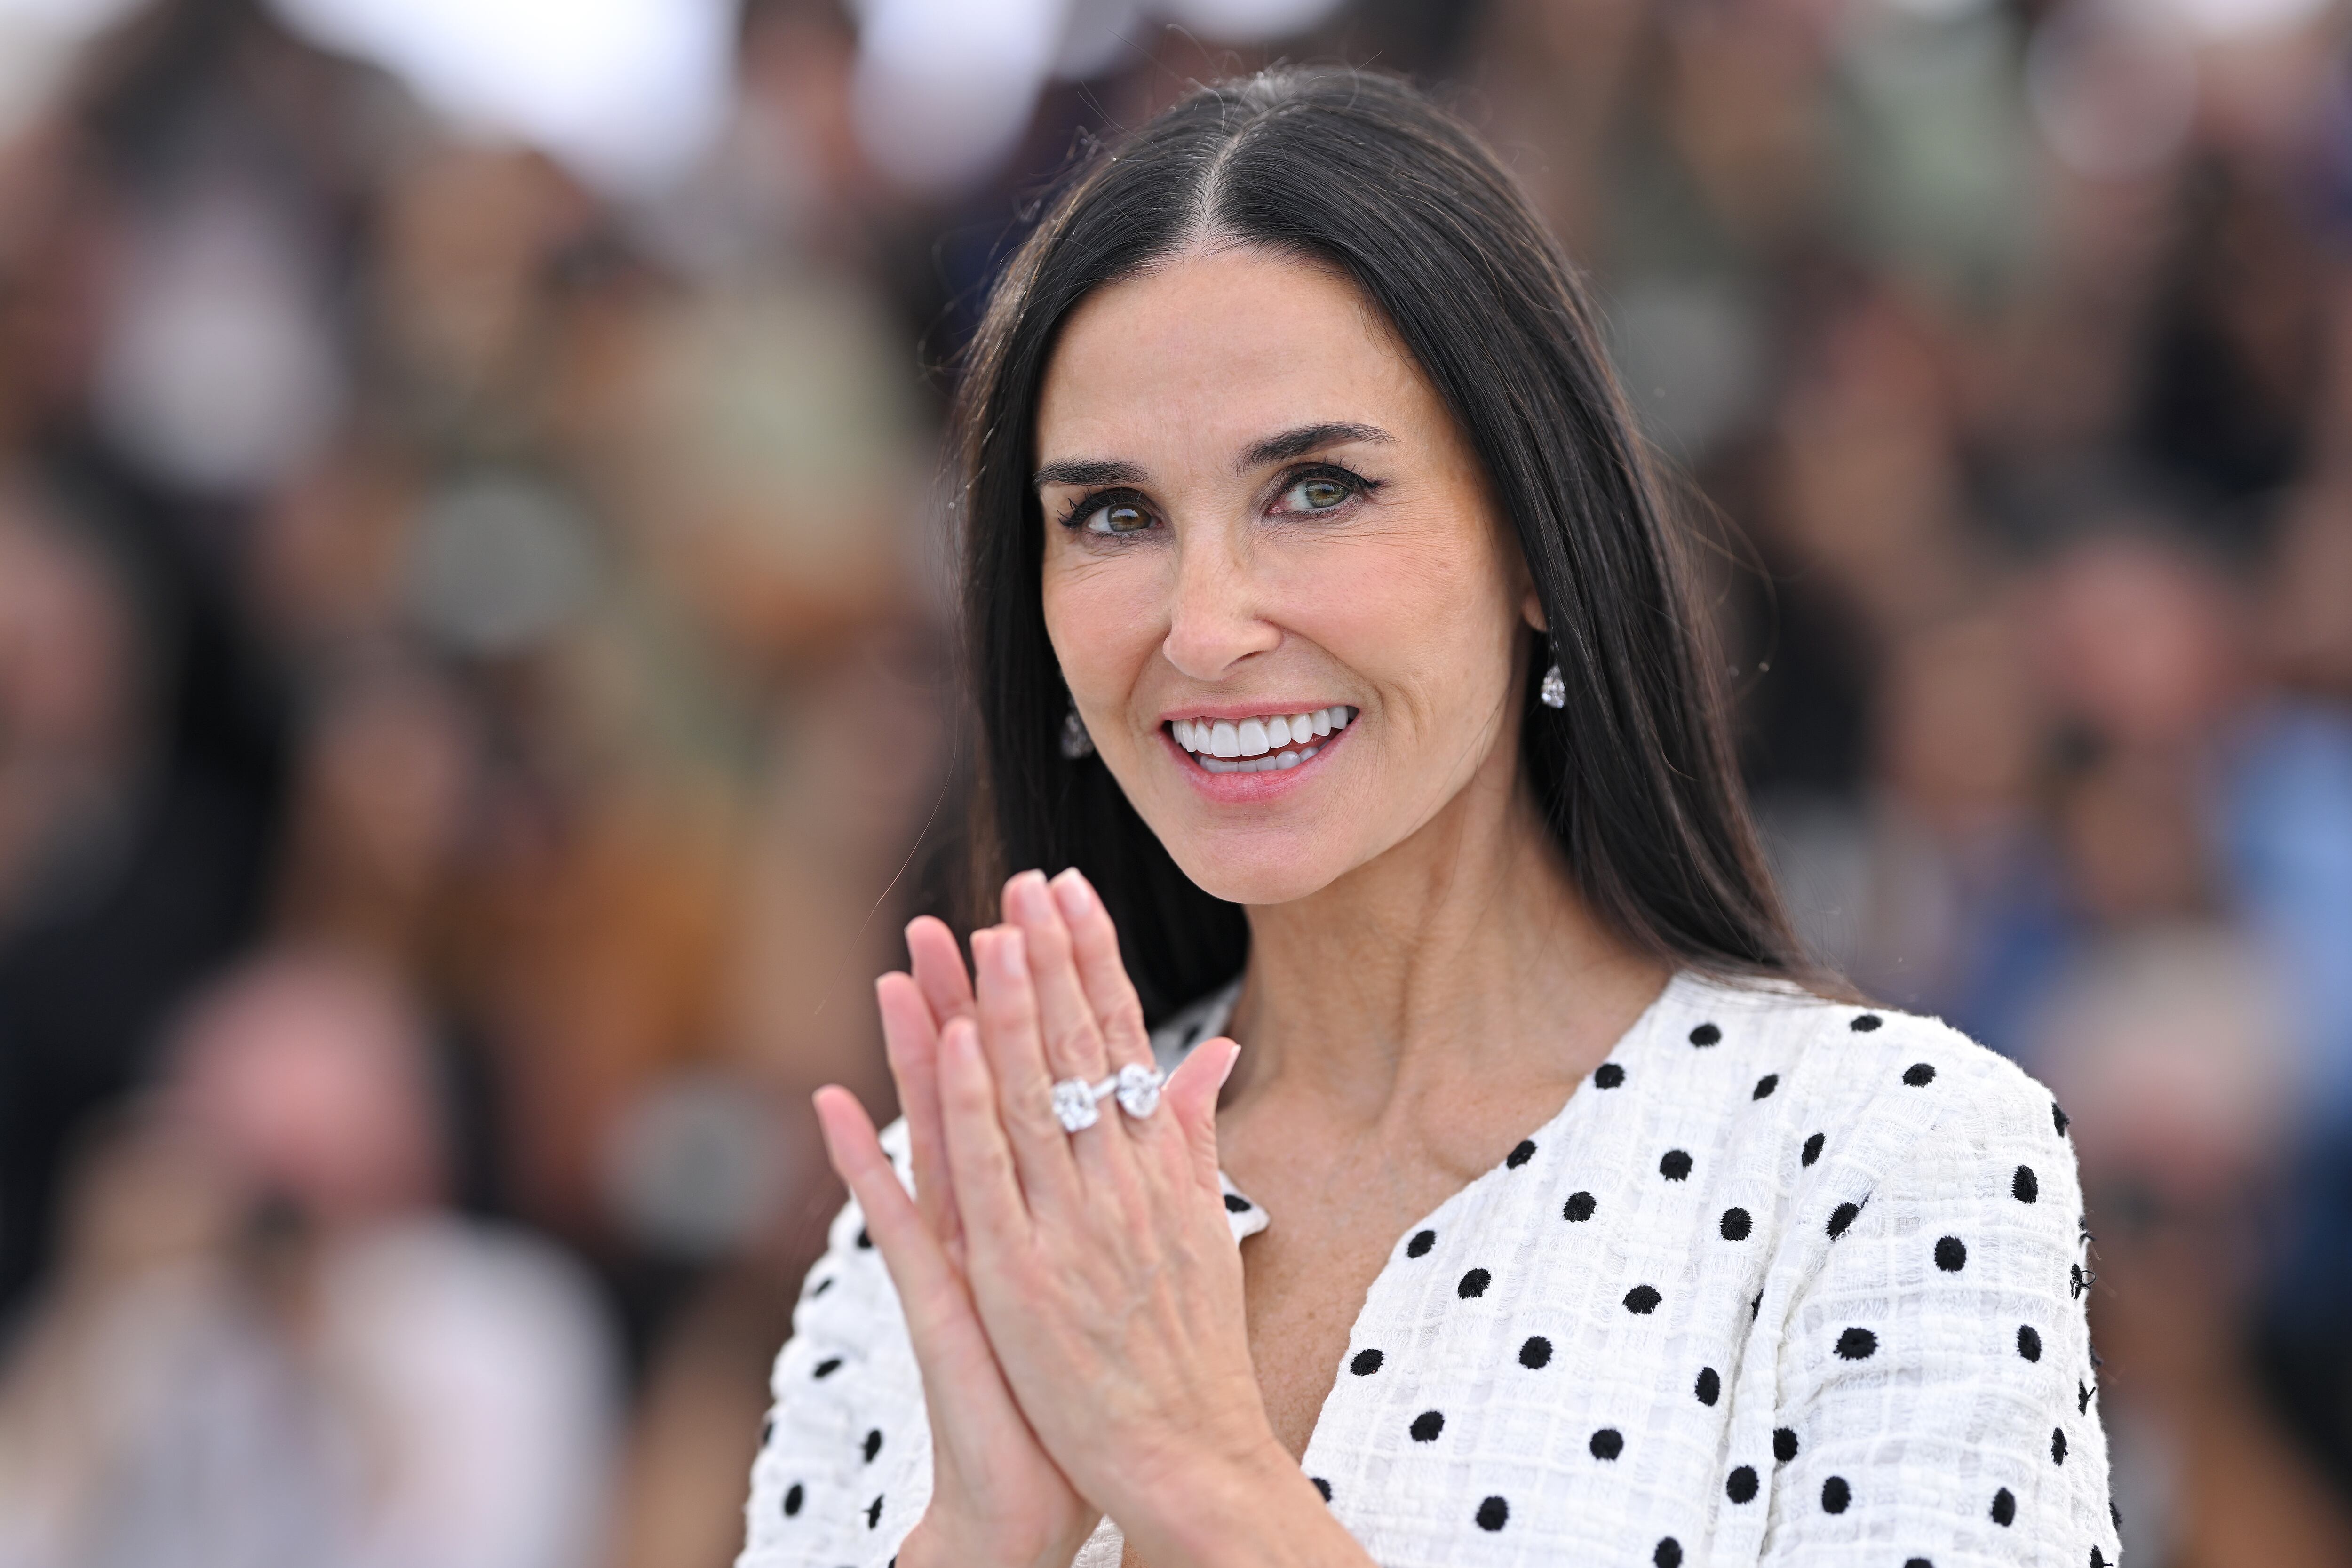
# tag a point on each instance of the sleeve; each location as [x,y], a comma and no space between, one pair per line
[1939,1399]
[843,1467]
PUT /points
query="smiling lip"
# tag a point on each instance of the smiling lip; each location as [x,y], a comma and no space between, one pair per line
[1247,755]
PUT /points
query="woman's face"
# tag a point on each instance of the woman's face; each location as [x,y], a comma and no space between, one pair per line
[1257,508]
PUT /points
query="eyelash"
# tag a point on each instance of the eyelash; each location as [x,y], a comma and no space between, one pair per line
[1077,512]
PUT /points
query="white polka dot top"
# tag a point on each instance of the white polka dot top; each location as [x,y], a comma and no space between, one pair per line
[1785,1282]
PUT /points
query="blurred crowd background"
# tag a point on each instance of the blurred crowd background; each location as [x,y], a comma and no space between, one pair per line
[474,700]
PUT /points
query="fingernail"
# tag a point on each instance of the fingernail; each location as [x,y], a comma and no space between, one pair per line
[1233,1055]
[1009,953]
[1071,892]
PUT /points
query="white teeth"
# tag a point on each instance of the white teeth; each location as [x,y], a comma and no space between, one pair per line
[1225,746]
[1282,763]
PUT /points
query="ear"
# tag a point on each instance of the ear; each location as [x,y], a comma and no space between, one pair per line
[1531,610]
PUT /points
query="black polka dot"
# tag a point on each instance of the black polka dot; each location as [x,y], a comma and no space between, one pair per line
[1841,1216]
[1740,1487]
[1766,1084]
[794,1498]
[1835,1495]
[1607,1442]
[1951,1254]
[1642,1300]
[1706,1035]
[1865,1024]
[874,1513]
[1735,1224]
[1919,1075]
[1857,1345]
[1367,1363]
[827,1367]
[1536,1353]
[1812,1150]
[1474,1283]
[1521,1155]
[1237,1204]
[2024,1186]
[1755,1305]
[767,1431]
[1422,1240]
[1427,1426]
[2057,1445]
[1784,1444]
[2082,1399]
[1494,1513]
[1709,1387]
[2076,1283]
[863,1240]
[1675,1164]
[1579,1208]
[872,1445]
[822,1286]
[1322,1486]
[1917,1563]
[2098,1558]
[2029,1344]
[1608,1075]
[2005,1508]
[1667,1554]
[2114,1513]
[2058,1118]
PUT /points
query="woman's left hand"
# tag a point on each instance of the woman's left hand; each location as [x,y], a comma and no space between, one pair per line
[1102,1263]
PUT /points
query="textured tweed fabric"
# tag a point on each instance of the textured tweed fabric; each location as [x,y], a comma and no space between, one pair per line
[1785,1282]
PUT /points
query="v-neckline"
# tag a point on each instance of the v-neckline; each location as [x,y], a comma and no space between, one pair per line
[1206,1018]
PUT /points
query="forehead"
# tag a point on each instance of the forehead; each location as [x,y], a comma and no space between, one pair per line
[1209,352]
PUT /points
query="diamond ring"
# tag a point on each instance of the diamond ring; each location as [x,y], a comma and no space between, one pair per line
[1137,1088]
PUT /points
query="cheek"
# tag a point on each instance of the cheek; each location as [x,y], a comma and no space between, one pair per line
[1421,613]
[1102,616]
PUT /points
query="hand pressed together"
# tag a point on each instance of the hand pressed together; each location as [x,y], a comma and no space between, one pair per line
[1073,1299]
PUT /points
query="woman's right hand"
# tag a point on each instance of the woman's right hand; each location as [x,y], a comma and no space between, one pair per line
[997,1500]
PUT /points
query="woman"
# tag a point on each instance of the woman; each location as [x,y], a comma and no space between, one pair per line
[1329,629]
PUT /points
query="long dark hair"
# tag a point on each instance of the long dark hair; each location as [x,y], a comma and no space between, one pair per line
[1358,171]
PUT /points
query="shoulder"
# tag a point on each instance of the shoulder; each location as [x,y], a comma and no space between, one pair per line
[1864,1068]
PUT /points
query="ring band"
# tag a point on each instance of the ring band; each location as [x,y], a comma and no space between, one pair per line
[1136,1086]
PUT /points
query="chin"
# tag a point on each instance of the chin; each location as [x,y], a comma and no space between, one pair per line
[1237,868]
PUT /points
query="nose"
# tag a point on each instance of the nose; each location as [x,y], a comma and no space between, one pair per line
[1214,622]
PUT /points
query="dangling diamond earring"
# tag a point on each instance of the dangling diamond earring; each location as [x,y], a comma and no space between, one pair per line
[1077,743]
[1553,692]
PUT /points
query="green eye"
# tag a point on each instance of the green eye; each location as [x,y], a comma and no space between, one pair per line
[1316,492]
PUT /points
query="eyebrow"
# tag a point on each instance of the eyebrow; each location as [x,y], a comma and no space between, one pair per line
[1305,439]
[1090,473]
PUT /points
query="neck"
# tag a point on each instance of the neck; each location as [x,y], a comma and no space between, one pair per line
[1463,953]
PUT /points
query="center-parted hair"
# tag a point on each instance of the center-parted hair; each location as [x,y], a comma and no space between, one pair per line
[1359,172]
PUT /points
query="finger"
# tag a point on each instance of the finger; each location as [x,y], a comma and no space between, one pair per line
[981,1162]
[1191,1100]
[911,1039]
[1094,944]
[938,968]
[940,1316]
[1065,1019]
[1016,1060]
